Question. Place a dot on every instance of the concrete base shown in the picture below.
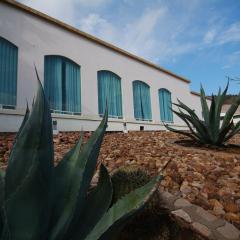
(10, 121)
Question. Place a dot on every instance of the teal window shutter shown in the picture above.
(109, 89)
(161, 104)
(142, 101)
(72, 87)
(137, 100)
(165, 103)
(62, 84)
(8, 73)
(53, 81)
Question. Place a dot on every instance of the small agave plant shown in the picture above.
(40, 201)
(212, 129)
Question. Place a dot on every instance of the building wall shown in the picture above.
(195, 101)
(36, 38)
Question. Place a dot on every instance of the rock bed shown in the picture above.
(209, 178)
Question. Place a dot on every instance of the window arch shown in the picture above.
(165, 103)
(62, 84)
(8, 73)
(109, 89)
(142, 101)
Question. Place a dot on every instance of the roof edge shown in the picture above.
(90, 37)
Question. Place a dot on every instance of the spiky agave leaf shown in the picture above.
(210, 126)
(192, 132)
(230, 112)
(184, 133)
(187, 109)
(89, 156)
(209, 130)
(3, 219)
(2, 174)
(181, 115)
(194, 120)
(97, 203)
(26, 116)
(205, 109)
(219, 100)
(197, 124)
(29, 175)
(66, 189)
(73, 176)
(235, 130)
(123, 208)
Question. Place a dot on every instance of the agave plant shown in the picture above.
(212, 129)
(42, 201)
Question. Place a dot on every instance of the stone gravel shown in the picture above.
(208, 177)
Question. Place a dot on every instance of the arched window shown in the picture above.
(62, 84)
(8, 73)
(165, 104)
(142, 101)
(109, 89)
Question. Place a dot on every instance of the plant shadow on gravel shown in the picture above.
(227, 148)
(156, 228)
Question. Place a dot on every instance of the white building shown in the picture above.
(79, 72)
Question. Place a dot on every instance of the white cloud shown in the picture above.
(63, 11)
(98, 26)
(161, 33)
(152, 33)
(209, 36)
(139, 35)
(226, 66)
(231, 34)
(222, 35)
(93, 3)
(232, 60)
(136, 37)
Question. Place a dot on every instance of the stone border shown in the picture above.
(199, 220)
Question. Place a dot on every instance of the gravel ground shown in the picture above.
(209, 177)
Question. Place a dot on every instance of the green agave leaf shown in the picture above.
(205, 109)
(229, 114)
(28, 180)
(20, 227)
(199, 126)
(194, 120)
(219, 103)
(2, 190)
(180, 132)
(4, 231)
(186, 108)
(26, 116)
(96, 205)
(211, 128)
(235, 130)
(67, 182)
(126, 206)
(191, 113)
(208, 130)
(74, 178)
(180, 115)
(2, 174)
(223, 133)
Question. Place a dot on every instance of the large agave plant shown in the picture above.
(43, 202)
(212, 129)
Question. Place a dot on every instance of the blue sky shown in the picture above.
(198, 39)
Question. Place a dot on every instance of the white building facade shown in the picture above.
(79, 73)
